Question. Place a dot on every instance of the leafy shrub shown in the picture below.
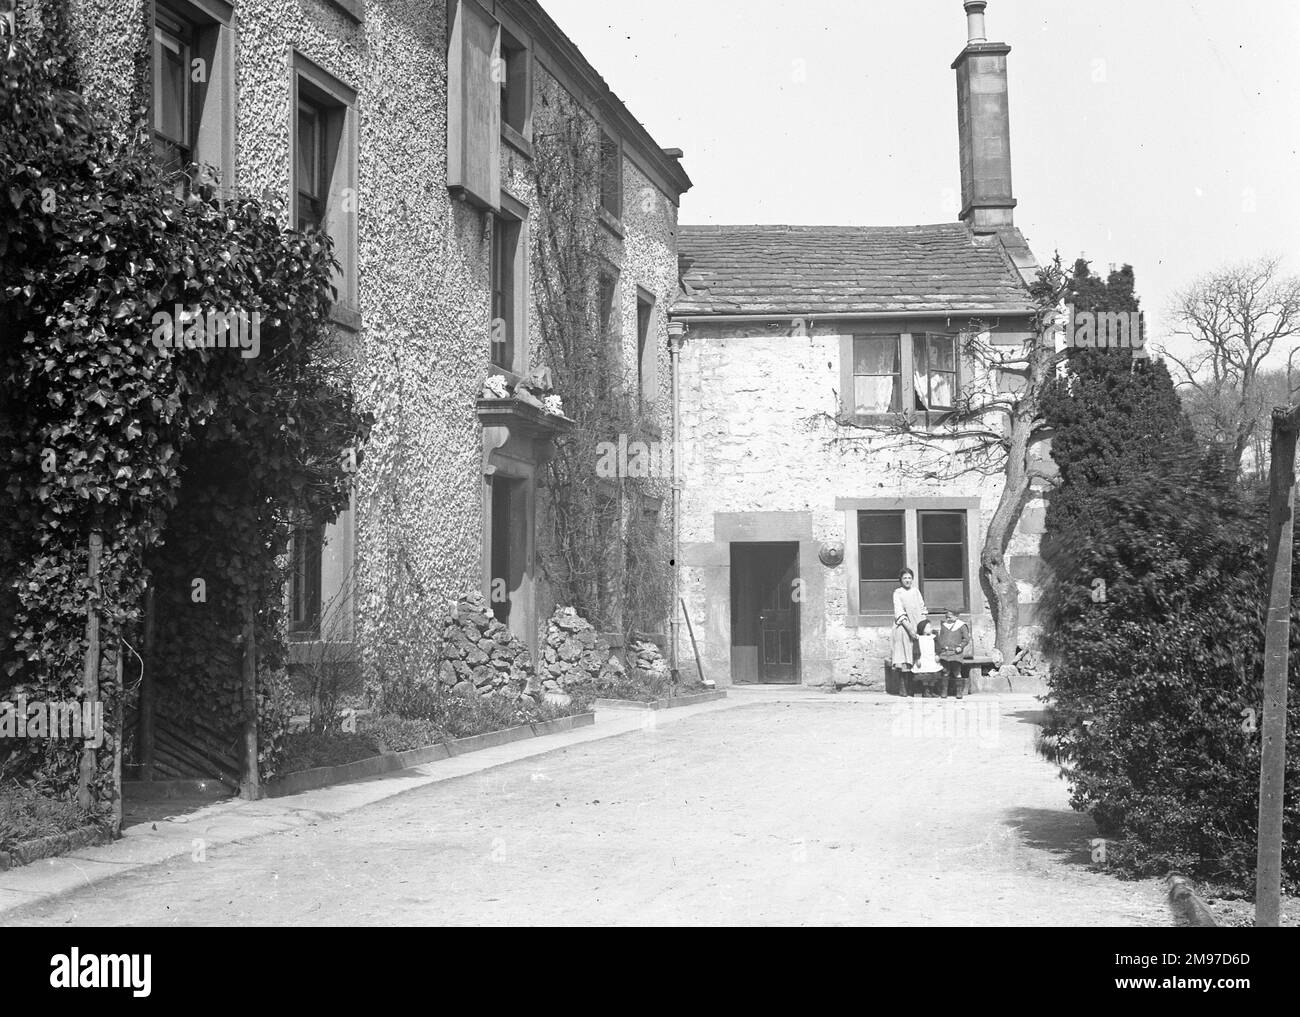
(639, 686)
(26, 814)
(399, 734)
(415, 717)
(306, 750)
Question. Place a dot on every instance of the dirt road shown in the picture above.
(812, 812)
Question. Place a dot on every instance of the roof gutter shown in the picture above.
(854, 315)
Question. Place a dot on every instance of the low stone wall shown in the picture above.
(480, 654)
(53, 845)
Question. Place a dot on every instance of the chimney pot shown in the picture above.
(975, 31)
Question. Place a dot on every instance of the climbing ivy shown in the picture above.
(191, 461)
(603, 553)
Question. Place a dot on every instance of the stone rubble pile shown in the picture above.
(574, 653)
(1030, 664)
(646, 657)
(480, 654)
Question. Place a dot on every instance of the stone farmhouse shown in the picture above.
(795, 523)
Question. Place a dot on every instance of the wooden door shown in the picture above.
(778, 643)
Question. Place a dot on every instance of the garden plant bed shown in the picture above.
(53, 844)
(670, 703)
(389, 762)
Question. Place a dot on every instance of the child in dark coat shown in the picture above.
(952, 643)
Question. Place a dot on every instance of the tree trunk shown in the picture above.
(995, 578)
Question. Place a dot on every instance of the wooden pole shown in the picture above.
(145, 729)
(90, 668)
(1277, 635)
(250, 785)
(117, 726)
(691, 629)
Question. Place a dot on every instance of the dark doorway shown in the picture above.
(765, 613)
(508, 545)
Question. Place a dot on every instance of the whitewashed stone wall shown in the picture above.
(757, 421)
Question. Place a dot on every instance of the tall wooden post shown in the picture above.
(250, 784)
(144, 729)
(90, 668)
(1277, 634)
(117, 727)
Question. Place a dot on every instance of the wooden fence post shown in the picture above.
(119, 728)
(250, 784)
(1277, 635)
(144, 728)
(90, 668)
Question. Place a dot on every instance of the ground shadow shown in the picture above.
(1066, 834)
(154, 810)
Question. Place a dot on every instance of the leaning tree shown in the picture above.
(995, 429)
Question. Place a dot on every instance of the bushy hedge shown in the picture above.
(1156, 691)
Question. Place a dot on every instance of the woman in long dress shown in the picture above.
(909, 610)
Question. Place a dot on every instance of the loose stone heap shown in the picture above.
(645, 657)
(480, 654)
(1030, 665)
(574, 653)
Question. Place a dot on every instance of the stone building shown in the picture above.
(406, 131)
(795, 523)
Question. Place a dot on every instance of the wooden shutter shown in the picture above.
(474, 106)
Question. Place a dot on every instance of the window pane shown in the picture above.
(875, 355)
(948, 593)
(877, 597)
(942, 561)
(876, 395)
(881, 561)
(943, 353)
(920, 390)
(170, 86)
(505, 240)
(942, 527)
(880, 527)
(308, 151)
(606, 303)
(943, 388)
(610, 174)
(305, 581)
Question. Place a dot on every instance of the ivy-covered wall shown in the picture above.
(414, 535)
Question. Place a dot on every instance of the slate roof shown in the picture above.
(849, 269)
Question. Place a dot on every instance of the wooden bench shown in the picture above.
(972, 672)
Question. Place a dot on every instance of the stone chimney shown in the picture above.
(983, 127)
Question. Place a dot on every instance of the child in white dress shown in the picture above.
(927, 671)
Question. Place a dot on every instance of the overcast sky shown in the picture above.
(1160, 132)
